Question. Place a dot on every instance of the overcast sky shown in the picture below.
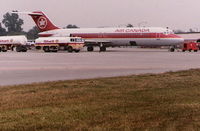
(176, 14)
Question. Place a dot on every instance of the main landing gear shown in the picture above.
(102, 48)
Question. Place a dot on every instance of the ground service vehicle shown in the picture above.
(17, 43)
(53, 44)
(191, 46)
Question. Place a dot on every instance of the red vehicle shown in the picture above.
(192, 46)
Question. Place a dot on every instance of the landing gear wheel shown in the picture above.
(90, 48)
(103, 48)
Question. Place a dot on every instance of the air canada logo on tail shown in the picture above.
(42, 22)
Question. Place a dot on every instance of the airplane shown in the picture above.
(109, 37)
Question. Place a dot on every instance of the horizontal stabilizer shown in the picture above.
(29, 13)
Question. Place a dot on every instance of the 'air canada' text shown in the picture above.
(132, 30)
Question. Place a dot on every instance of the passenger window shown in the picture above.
(166, 33)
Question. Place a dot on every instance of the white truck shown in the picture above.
(53, 44)
(17, 43)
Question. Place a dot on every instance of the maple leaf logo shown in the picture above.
(42, 22)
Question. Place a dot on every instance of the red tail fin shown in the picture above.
(42, 22)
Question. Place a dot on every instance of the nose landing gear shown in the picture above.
(172, 48)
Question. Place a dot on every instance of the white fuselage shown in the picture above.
(120, 36)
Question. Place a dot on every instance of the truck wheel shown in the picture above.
(90, 48)
(54, 51)
(70, 49)
(53, 48)
(46, 49)
(24, 50)
(77, 51)
(21, 48)
(38, 47)
(18, 49)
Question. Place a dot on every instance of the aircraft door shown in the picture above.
(102, 35)
(157, 36)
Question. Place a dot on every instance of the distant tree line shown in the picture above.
(13, 26)
(71, 26)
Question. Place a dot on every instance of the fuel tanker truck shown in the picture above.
(54, 44)
(17, 43)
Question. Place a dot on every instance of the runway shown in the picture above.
(33, 66)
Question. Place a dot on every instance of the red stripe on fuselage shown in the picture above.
(118, 35)
(124, 35)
